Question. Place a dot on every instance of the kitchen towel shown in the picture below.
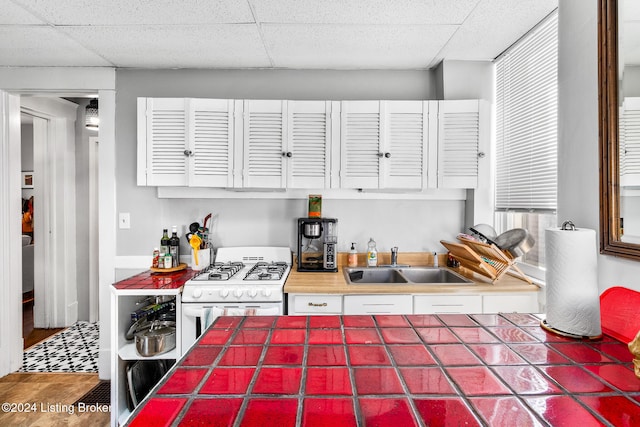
(573, 303)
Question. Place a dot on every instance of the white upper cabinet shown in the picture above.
(185, 142)
(463, 139)
(308, 145)
(383, 144)
(264, 135)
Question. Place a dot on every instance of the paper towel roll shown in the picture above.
(573, 303)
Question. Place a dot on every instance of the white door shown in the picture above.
(264, 133)
(308, 147)
(360, 144)
(210, 142)
(459, 142)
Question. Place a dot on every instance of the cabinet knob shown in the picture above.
(188, 153)
(387, 155)
(287, 154)
(481, 155)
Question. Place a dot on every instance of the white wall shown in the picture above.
(578, 188)
(410, 225)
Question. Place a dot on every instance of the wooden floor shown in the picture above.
(31, 335)
(49, 400)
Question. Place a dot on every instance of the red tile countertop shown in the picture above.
(414, 370)
(154, 281)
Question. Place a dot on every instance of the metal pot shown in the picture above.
(158, 339)
(312, 230)
(516, 242)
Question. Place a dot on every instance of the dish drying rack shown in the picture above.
(483, 258)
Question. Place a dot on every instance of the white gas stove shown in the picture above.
(243, 281)
(241, 274)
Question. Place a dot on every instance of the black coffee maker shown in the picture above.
(317, 244)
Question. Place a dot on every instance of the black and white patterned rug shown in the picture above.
(73, 350)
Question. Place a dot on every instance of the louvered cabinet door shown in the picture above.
(360, 144)
(308, 148)
(459, 142)
(211, 138)
(162, 142)
(630, 143)
(264, 136)
(404, 162)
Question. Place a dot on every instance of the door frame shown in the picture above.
(94, 228)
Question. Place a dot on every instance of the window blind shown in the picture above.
(527, 121)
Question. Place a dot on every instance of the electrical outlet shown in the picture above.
(124, 220)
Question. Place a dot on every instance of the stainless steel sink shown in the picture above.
(373, 275)
(408, 275)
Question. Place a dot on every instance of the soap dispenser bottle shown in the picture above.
(353, 256)
(372, 253)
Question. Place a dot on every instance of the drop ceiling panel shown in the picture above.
(363, 12)
(43, 46)
(354, 46)
(493, 26)
(135, 12)
(187, 46)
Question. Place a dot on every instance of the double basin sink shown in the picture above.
(403, 275)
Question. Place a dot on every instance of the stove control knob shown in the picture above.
(224, 293)
(237, 293)
(253, 293)
(197, 293)
(266, 292)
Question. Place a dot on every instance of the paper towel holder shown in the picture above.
(568, 226)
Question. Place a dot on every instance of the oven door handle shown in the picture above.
(192, 311)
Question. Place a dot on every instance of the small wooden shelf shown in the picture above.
(180, 266)
(483, 258)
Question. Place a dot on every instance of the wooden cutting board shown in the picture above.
(620, 313)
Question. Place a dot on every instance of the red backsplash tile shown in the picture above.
(477, 381)
(386, 412)
(526, 380)
(440, 412)
(580, 353)
(227, 322)
(241, 356)
(202, 356)
(324, 381)
(212, 412)
(362, 336)
(368, 355)
(427, 381)
(158, 412)
(278, 412)
(284, 355)
(615, 350)
(575, 379)
(505, 412)
(562, 411)
(358, 322)
(423, 320)
(326, 355)
(324, 322)
(474, 335)
(183, 381)
(543, 335)
(250, 336)
(259, 322)
(391, 321)
(325, 336)
(618, 410)
(617, 375)
(511, 334)
(228, 381)
(437, 335)
(318, 412)
(539, 354)
(497, 354)
(491, 320)
(399, 336)
(377, 381)
(216, 336)
(278, 381)
(522, 319)
(411, 355)
(454, 355)
(295, 322)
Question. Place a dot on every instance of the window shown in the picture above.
(526, 135)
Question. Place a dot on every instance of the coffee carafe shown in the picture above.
(317, 244)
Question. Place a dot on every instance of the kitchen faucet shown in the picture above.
(394, 256)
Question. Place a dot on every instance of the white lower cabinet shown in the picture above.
(378, 304)
(434, 304)
(302, 304)
(511, 303)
